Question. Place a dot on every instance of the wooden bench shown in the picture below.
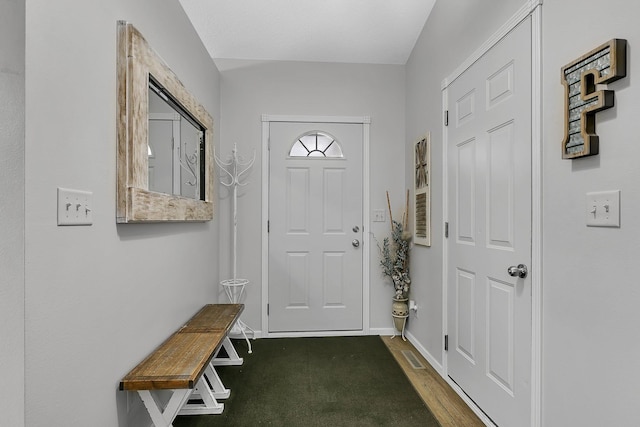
(184, 364)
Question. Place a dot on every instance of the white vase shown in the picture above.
(400, 312)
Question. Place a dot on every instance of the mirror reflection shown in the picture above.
(175, 147)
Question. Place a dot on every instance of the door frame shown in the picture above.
(533, 9)
(365, 121)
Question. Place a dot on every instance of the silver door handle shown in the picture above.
(355, 243)
(519, 271)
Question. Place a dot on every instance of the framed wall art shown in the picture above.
(422, 191)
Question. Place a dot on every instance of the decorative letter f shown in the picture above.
(605, 64)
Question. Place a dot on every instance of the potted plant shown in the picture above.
(395, 264)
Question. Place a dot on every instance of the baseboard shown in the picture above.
(250, 335)
(382, 331)
(312, 334)
(372, 331)
(440, 370)
(423, 351)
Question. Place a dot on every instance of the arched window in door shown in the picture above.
(316, 144)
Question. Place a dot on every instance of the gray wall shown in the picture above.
(100, 298)
(454, 30)
(12, 211)
(252, 88)
(590, 292)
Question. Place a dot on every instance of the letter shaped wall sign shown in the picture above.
(584, 98)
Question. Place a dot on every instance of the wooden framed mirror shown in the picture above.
(179, 187)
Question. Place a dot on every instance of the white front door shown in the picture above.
(489, 209)
(315, 227)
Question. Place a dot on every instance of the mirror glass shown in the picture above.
(176, 141)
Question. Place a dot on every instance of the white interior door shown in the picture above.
(489, 208)
(164, 137)
(315, 227)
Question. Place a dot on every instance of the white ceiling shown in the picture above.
(359, 31)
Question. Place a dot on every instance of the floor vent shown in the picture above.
(412, 359)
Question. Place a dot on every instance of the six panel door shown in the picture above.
(315, 227)
(489, 208)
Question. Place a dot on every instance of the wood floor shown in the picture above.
(444, 403)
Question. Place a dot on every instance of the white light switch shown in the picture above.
(378, 215)
(74, 207)
(603, 209)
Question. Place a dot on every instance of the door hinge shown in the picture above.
(446, 117)
(268, 225)
(446, 230)
(446, 343)
(267, 309)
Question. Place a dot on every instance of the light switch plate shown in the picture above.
(603, 209)
(75, 207)
(378, 215)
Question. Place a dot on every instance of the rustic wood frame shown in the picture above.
(590, 91)
(422, 191)
(136, 61)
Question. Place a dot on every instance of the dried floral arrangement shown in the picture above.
(395, 253)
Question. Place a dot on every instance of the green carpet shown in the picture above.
(331, 381)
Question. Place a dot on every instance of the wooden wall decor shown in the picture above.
(137, 62)
(583, 98)
(422, 191)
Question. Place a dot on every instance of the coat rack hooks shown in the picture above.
(235, 176)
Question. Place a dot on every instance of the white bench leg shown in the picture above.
(164, 418)
(209, 403)
(212, 379)
(233, 357)
(217, 388)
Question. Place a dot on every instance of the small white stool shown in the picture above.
(234, 288)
